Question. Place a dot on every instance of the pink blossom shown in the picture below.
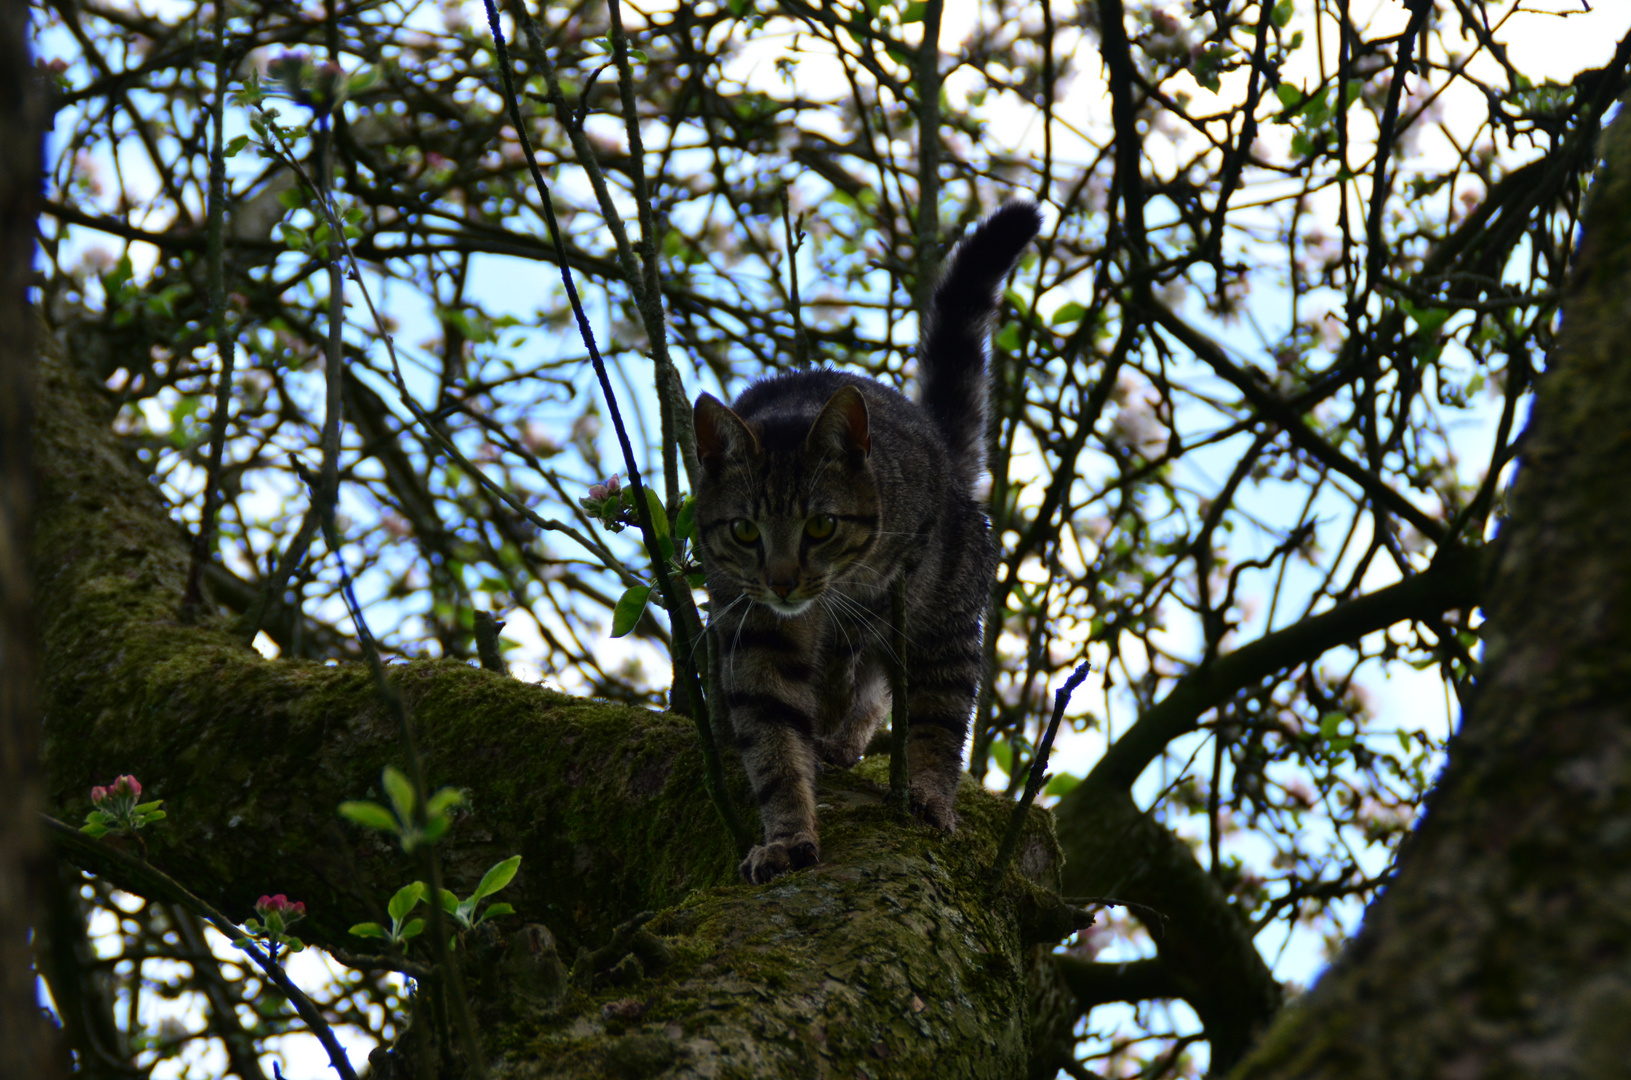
(280, 904)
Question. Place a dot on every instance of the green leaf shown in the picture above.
(630, 606)
(294, 236)
(496, 878)
(1329, 723)
(400, 789)
(155, 815)
(1063, 784)
(442, 801)
(1290, 96)
(1003, 755)
(1007, 338)
(368, 929)
(369, 815)
(685, 522)
(436, 828)
(235, 145)
(914, 12)
(149, 807)
(405, 899)
(494, 911)
(450, 903)
(659, 516)
(412, 929)
(95, 830)
(1068, 313)
(362, 80)
(1281, 15)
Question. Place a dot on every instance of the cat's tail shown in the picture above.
(951, 356)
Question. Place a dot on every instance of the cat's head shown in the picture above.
(787, 506)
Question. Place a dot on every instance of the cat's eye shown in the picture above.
(744, 530)
(820, 526)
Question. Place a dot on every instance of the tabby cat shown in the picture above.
(819, 490)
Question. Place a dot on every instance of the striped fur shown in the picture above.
(820, 489)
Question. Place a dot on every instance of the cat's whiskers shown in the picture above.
(868, 621)
(712, 616)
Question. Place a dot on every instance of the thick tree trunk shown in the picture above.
(24, 1043)
(1504, 946)
(896, 957)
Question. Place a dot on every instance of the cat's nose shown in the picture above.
(782, 579)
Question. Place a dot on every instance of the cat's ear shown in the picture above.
(842, 425)
(721, 433)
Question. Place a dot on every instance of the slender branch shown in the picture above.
(144, 877)
(677, 424)
(1039, 771)
(224, 344)
(1132, 981)
(1387, 131)
(1269, 404)
(685, 624)
(1451, 581)
(801, 340)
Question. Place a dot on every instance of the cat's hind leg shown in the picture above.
(943, 678)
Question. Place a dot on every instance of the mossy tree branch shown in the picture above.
(895, 949)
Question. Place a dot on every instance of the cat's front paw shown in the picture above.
(835, 753)
(778, 857)
(934, 808)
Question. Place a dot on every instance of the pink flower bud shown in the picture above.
(613, 485)
(597, 492)
(280, 905)
(99, 795)
(127, 787)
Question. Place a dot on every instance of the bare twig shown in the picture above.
(224, 350)
(801, 340)
(1039, 771)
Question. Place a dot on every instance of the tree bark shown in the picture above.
(1502, 947)
(895, 957)
(25, 1048)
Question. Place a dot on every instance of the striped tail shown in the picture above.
(951, 354)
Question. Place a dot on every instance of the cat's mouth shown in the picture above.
(786, 606)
